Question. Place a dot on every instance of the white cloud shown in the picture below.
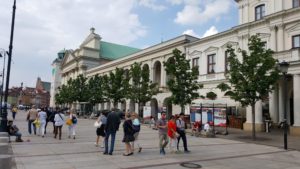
(175, 2)
(152, 4)
(211, 31)
(191, 32)
(44, 27)
(198, 12)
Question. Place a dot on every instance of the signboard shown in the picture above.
(220, 117)
(146, 111)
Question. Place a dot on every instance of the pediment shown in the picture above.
(229, 43)
(212, 48)
(295, 27)
(68, 58)
(195, 52)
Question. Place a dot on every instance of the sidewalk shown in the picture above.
(211, 153)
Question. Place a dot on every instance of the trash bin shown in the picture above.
(268, 125)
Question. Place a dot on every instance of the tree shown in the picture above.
(80, 89)
(65, 94)
(116, 86)
(183, 79)
(142, 89)
(96, 90)
(252, 78)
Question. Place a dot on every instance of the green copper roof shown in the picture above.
(113, 51)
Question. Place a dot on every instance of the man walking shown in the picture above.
(181, 131)
(31, 116)
(162, 132)
(111, 128)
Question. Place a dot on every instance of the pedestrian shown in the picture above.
(136, 127)
(172, 134)
(50, 118)
(152, 122)
(72, 127)
(14, 111)
(31, 116)
(180, 124)
(100, 131)
(111, 128)
(59, 122)
(128, 135)
(42, 115)
(162, 132)
(13, 130)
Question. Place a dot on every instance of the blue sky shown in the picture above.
(44, 27)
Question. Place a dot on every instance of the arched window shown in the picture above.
(260, 12)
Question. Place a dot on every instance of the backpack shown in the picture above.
(74, 120)
(136, 128)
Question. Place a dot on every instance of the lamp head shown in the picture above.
(283, 66)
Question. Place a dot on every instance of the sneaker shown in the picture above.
(163, 151)
(187, 151)
(140, 149)
(96, 144)
(74, 138)
(102, 146)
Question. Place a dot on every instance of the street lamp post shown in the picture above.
(4, 114)
(2, 83)
(283, 66)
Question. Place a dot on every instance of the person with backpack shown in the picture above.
(128, 135)
(72, 117)
(59, 119)
(136, 128)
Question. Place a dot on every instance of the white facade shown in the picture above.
(276, 21)
(55, 80)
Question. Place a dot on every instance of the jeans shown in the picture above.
(112, 141)
(30, 124)
(18, 135)
(183, 136)
(14, 115)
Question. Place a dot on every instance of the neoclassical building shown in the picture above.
(277, 22)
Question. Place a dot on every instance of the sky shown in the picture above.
(44, 27)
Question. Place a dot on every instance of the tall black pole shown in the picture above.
(4, 114)
(285, 113)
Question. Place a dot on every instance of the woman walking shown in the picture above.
(172, 134)
(136, 128)
(100, 130)
(59, 122)
(42, 116)
(72, 117)
(128, 135)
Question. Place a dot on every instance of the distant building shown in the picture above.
(39, 96)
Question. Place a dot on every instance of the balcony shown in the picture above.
(288, 55)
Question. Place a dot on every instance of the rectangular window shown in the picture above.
(296, 3)
(195, 62)
(296, 41)
(226, 62)
(259, 12)
(211, 63)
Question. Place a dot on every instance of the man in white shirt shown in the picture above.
(180, 124)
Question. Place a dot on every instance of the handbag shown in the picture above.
(69, 122)
(37, 123)
(97, 124)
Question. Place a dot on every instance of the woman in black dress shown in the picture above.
(128, 134)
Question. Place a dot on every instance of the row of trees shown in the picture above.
(114, 87)
(249, 80)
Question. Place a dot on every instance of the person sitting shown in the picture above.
(13, 130)
(196, 128)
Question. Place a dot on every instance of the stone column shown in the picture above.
(240, 14)
(281, 101)
(273, 38)
(151, 73)
(259, 125)
(273, 106)
(295, 129)
(163, 76)
(280, 44)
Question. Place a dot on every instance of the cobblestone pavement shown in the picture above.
(210, 153)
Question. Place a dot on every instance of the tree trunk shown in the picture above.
(253, 121)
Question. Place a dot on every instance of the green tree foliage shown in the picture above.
(211, 95)
(183, 79)
(96, 90)
(115, 86)
(142, 89)
(80, 89)
(253, 77)
(65, 94)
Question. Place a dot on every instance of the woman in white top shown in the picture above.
(73, 117)
(42, 115)
(59, 122)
